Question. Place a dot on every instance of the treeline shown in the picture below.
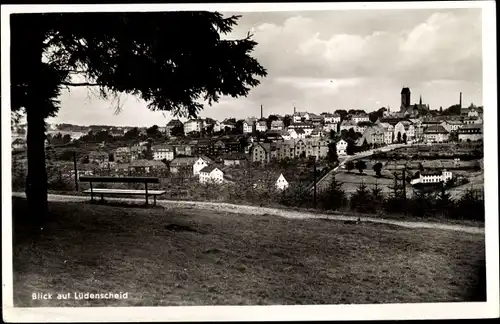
(422, 203)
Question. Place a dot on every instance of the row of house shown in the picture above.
(302, 148)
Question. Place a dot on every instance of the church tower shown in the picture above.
(405, 99)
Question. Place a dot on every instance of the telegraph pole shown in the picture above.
(76, 171)
(404, 189)
(315, 183)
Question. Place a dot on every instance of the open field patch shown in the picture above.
(184, 256)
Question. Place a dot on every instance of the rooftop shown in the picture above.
(436, 129)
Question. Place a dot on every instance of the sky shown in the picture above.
(321, 61)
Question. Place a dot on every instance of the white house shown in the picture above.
(331, 118)
(451, 125)
(297, 133)
(261, 126)
(200, 164)
(281, 183)
(404, 127)
(277, 125)
(211, 174)
(341, 147)
(161, 152)
(360, 118)
(248, 125)
(388, 132)
(427, 177)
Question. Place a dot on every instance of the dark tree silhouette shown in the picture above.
(349, 166)
(332, 153)
(377, 167)
(287, 120)
(153, 131)
(399, 137)
(360, 165)
(404, 138)
(137, 53)
(342, 113)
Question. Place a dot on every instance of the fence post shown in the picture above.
(76, 170)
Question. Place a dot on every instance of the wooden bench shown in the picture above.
(104, 191)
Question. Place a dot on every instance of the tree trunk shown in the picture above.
(36, 111)
(36, 181)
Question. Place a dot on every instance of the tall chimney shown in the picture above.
(294, 110)
(460, 100)
(261, 112)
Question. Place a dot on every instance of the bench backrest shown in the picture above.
(120, 179)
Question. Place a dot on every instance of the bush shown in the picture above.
(470, 206)
(361, 200)
(296, 196)
(333, 197)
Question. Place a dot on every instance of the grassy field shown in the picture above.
(197, 257)
(352, 180)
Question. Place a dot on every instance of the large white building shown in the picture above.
(193, 125)
(436, 134)
(402, 128)
(452, 125)
(428, 177)
(471, 132)
(161, 152)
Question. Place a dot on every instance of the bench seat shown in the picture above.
(124, 191)
(103, 191)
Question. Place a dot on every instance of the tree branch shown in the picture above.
(80, 84)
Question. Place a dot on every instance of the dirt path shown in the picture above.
(253, 210)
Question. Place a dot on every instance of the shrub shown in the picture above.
(297, 196)
(361, 199)
(360, 165)
(470, 206)
(333, 197)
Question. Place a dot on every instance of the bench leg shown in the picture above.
(102, 197)
(154, 197)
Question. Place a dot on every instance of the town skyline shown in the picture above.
(328, 60)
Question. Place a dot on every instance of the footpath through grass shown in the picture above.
(172, 256)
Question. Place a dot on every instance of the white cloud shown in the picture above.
(340, 60)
